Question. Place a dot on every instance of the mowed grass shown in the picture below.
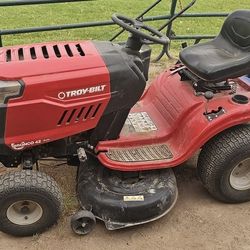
(64, 13)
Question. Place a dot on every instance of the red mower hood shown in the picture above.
(47, 58)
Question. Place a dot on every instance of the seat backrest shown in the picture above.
(236, 29)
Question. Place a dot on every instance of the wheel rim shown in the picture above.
(24, 212)
(83, 225)
(240, 175)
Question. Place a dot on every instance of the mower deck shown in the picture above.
(169, 124)
(125, 199)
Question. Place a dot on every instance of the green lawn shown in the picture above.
(50, 14)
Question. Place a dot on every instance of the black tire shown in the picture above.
(218, 159)
(83, 222)
(28, 195)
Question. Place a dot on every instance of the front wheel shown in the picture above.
(83, 222)
(224, 165)
(30, 202)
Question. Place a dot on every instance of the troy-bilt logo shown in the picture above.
(81, 92)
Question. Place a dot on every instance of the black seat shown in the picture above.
(227, 56)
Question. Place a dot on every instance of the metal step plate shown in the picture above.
(139, 154)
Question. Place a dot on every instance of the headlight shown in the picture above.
(9, 89)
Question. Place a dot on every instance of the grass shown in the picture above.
(53, 14)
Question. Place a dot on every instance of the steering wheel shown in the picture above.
(135, 27)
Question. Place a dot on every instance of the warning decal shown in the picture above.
(141, 122)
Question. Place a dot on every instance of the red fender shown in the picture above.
(178, 115)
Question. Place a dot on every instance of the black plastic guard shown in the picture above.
(128, 70)
(125, 199)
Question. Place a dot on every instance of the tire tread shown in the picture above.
(29, 181)
(216, 152)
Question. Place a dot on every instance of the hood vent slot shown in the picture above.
(79, 115)
(20, 54)
(71, 115)
(62, 117)
(68, 50)
(8, 55)
(45, 52)
(57, 51)
(87, 114)
(96, 110)
(33, 53)
(79, 48)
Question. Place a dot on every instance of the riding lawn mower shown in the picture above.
(86, 101)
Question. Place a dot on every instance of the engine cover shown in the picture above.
(67, 88)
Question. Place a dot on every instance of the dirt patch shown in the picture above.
(197, 221)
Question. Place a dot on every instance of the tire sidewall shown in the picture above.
(227, 167)
(47, 203)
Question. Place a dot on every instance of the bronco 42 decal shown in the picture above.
(23, 145)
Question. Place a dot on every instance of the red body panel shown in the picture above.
(179, 117)
(62, 95)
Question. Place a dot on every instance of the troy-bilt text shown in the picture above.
(80, 92)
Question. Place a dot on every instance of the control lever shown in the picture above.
(209, 96)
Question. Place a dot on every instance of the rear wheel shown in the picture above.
(224, 165)
(30, 202)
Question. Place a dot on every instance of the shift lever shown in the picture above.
(208, 95)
